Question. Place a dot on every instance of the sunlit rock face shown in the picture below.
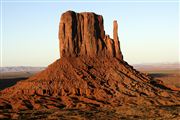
(82, 34)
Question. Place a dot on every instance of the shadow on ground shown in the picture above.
(4, 83)
(159, 75)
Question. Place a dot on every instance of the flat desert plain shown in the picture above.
(168, 73)
(8, 79)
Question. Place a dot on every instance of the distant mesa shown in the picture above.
(20, 69)
(90, 74)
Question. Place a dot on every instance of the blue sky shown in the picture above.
(148, 31)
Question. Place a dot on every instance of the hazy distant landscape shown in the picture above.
(20, 69)
(168, 73)
(9, 76)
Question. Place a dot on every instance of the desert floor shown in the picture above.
(170, 77)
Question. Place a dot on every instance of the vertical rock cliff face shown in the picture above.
(82, 34)
(116, 40)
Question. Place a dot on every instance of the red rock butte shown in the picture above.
(82, 34)
(90, 73)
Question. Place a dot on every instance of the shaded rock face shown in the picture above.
(82, 34)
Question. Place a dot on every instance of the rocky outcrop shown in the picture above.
(82, 34)
(116, 41)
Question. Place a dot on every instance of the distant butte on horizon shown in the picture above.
(90, 75)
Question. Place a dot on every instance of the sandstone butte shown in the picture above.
(90, 74)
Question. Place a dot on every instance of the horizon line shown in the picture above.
(168, 63)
